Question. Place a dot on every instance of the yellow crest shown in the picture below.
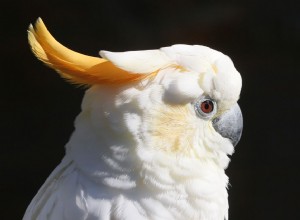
(75, 67)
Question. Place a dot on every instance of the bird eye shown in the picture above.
(205, 107)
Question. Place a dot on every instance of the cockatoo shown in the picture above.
(153, 137)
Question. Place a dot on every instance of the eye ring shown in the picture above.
(205, 107)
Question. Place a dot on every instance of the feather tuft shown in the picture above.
(75, 67)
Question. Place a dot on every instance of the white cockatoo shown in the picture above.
(153, 137)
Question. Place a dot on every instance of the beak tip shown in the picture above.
(236, 139)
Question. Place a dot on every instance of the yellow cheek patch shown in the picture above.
(172, 130)
(76, 67)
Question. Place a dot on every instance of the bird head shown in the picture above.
(177, 100)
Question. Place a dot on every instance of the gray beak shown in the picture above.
(230, 124)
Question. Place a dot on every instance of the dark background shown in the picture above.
(261, 36)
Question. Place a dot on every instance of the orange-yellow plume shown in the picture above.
(75, 67)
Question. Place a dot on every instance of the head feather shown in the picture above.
(76, 67)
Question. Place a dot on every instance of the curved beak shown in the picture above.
(230, 124)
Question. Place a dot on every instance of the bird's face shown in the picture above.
(183, 120)
(193, 113)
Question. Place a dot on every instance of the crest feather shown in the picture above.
(75, 67)
(142, 61)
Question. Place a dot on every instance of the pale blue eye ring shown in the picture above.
(205, 107)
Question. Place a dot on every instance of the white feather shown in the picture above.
(146, 61)
(135, 154)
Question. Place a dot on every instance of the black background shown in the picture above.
(261, 36)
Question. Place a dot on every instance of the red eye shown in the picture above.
(207, 106)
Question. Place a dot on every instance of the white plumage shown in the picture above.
(139, 150)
